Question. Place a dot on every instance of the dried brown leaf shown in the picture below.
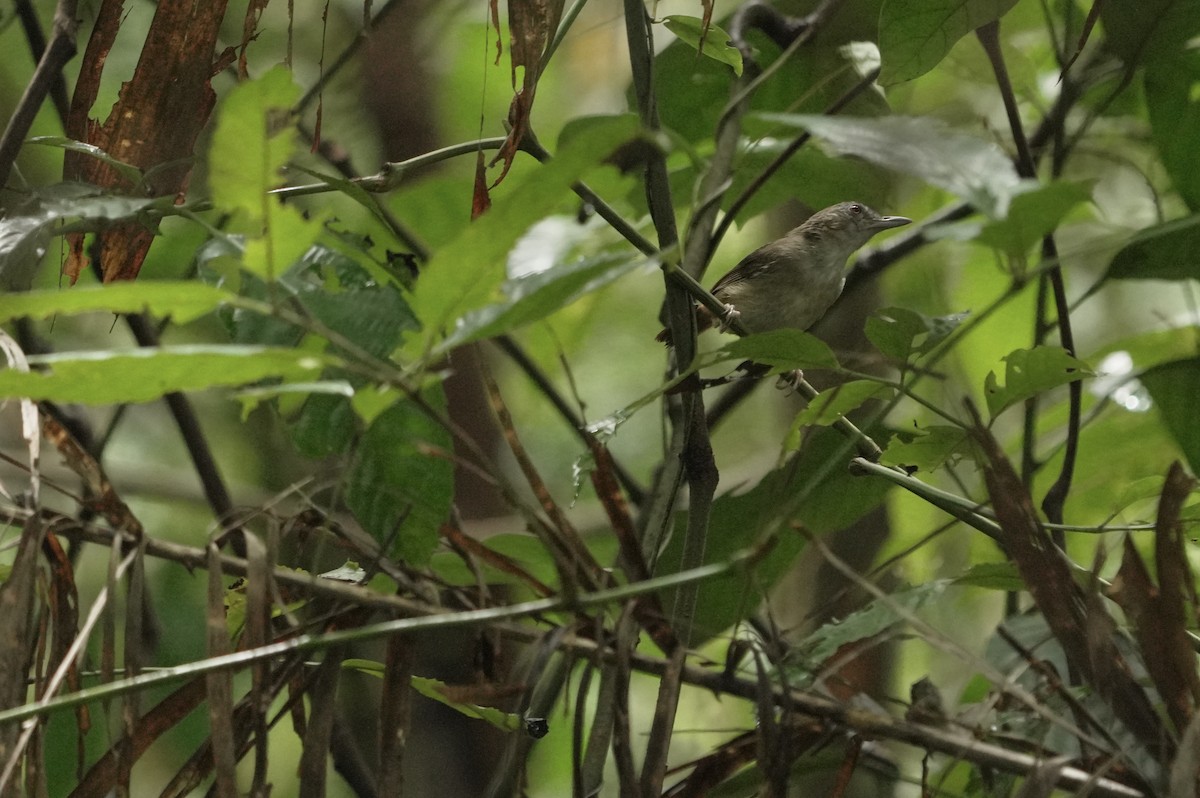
(1159, 614)
(100, 779)
(17, 596)
(531, 24)
(100, 496)
(1078, 618)
(495, 559)
(480, 199)
(254, 12)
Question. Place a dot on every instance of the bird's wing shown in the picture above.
(748, 268)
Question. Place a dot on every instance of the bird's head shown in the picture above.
(848, 224)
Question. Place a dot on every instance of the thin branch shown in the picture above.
(37, 46)
(689, 453)
(1056, 496)
(838, 714)
(49, 70)
(189, 428)
(509, 346)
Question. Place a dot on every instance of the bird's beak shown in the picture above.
(888, 222)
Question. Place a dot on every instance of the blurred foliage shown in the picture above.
(334, 319)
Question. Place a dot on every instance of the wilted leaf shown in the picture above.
(1160, 614)
(1076, 616)
(709, 40)
(531, 23)
(1029, 372)
(971, 168)
(915, 35)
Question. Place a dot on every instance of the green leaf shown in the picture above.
(25, 234)
(128, 171)
(815, 489)
(402, 482)
(874, 619)
(286, 235)
(1032, 215)
(1149, 30)
(826, 180)
(836, 402)
(973, 169)
(140, 375)
(915, 35)
(700, 89)
(465, 275)
(927, 449)
(251, 398)
(1145, 350)
(837, 498)
(354, 191)
(439, 690)
(901, 333)
(1029, 372)
(325, 426)
(183, 301)
(535, 296)
(1163, 252)
(1174, 109)
(1174, 388)
(993, 576)
(782, 350)
(371, 318)
(251, 144)
(709, 41)
(733, 525)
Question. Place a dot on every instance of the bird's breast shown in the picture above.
(778, 299)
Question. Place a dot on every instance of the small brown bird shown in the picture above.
(792, 281)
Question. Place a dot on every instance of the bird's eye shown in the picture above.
(855, 209)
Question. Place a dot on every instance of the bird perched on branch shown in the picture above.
(792, 281)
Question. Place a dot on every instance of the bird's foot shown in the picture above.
(728, 318)
(790, 381)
